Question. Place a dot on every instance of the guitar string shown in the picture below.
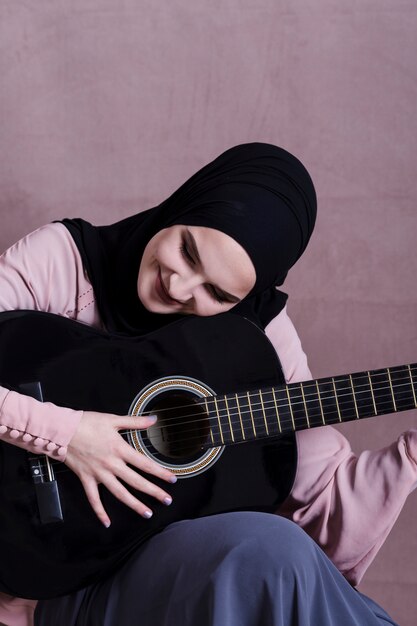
(59, 467)
(332, 417)
(268, 404)
(257, 406)
(306, 384)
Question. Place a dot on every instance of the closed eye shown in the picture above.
(186, 253)
(188, 257)
(215, 295)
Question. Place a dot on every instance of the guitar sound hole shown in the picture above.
(182, 427)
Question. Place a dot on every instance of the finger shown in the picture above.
(138, 482)
(135, 422)
(145, 464)
(93, 496)
(123, 495)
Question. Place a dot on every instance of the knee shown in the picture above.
(266, 545)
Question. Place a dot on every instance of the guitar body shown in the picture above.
(83, 368)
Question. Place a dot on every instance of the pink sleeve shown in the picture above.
(43, 272)
(347, 503)
(16, 611)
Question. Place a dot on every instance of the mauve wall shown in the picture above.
(107, 106)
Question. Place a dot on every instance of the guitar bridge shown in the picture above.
(46, 487)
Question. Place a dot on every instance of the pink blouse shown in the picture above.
(331, 497)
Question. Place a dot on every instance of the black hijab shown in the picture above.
(257, 193)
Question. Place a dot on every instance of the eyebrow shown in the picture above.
(223, 294)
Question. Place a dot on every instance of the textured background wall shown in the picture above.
(108, 105)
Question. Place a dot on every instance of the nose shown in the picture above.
(182, 288)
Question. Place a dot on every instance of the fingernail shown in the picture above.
(152, 418)
(148, 514)
(107, 524)
(173, 479)
(168, 500)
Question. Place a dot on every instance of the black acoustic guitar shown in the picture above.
(215, 384)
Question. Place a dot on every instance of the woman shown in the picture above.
(225, 239)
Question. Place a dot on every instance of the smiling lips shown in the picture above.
(161, 291)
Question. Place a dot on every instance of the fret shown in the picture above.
(214, 421)
(382, 392)
(270, 424)
(412, 387)
(372, 392)
(291, 411)
(228, 417)
(345, 398)
(364, 398)
(354, 397)
(328, 401)
(315, 416)
(218, 419)
(263, 412)
(240, 416)
(226, 424)
(251, 414)
(208, 415)
(277, 412)
(298, 406)
(259, 413)
(321, 406)
(305, 405)
(285, 419)
(337, 401)
(392, 390)
(403, 391)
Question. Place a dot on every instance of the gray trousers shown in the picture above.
(234, 569)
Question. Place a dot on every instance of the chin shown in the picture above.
(150, 306)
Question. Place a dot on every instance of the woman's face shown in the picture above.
(194, 269)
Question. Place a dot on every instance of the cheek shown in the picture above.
(146, 274)
(151, 260)
(167, 253)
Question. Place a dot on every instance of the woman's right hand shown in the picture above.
(98, 454)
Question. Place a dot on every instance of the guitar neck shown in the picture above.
(270, 412)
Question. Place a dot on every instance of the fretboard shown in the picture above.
(270, 412)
